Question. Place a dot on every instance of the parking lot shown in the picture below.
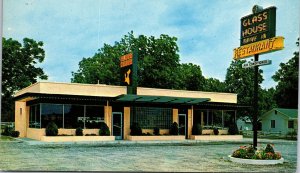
(199, 157)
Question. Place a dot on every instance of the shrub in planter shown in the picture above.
(245, 152)
(15, 134)
(135, 130)
(269, 149)
(156, 131)
(174, 129)
(197, 129)
(233, 129)
(51, 129)
(216, 131)
(7, 131)
(104, 130)
(79, 131)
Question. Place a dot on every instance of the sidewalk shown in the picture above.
(175, 142)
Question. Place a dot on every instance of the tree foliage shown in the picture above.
(190, 77)
(265, 100)
(214, 85)
(158, 60)
(240, 80)
(286, 94)
(19, 69)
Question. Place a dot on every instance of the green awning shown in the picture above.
(160, 99)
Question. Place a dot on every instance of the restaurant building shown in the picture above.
(73, 105)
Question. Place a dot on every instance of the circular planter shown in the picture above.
(255, 162)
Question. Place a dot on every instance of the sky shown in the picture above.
(207, 30)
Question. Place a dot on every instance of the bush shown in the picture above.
(174, 129)
(79, 131)
(7, 131)
(156, 131)
(135, 130)
(233, 129)
(249, 152)
(197, 129)
(216, 131)
(269, 149)
(104, 130)
(51, 129)
(15, 134)
(292, 134)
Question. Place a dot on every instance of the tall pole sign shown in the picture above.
(128, 65)
(258, 36)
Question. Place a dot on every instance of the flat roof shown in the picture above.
(111, 91)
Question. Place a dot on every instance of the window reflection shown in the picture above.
(94, 115)
(52, 112)
(74, 116)
(66, 116)
(34, 116)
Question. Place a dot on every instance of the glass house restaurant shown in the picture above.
(73, 105)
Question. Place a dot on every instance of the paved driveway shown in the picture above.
(204, 156)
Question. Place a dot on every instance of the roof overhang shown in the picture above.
(160, 99)
(33, 96)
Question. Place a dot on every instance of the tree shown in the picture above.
(265, 100)
(214, 85)
(286, 94)
(190, 77)
(19, 70)
(157, 67)
(240, 80)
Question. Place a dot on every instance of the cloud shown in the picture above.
(207, 31)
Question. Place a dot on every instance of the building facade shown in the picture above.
(72, 105)
(279, 120)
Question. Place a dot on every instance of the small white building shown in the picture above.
(280, 120)
(244, 123)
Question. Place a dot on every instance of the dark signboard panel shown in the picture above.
(126, 69)
(258, 26)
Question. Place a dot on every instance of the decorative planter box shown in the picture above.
(255, 162)
(76, 138)
(216, 137)
(156, 138)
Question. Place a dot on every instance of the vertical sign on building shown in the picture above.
(128, 65)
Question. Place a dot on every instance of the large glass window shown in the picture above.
(94, 115)
(148, 118)
(52, 112)
(66, 116)
(34, 116)
(73, 116)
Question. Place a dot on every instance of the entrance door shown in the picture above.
(117, 125)
(182, 124)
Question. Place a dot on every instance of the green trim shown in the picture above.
(291, 114)
(160, 99)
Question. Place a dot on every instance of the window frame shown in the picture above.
(293, 124)
(273, 124)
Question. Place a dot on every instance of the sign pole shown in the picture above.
(255, 102)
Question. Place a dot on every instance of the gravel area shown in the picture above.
(184, 157)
